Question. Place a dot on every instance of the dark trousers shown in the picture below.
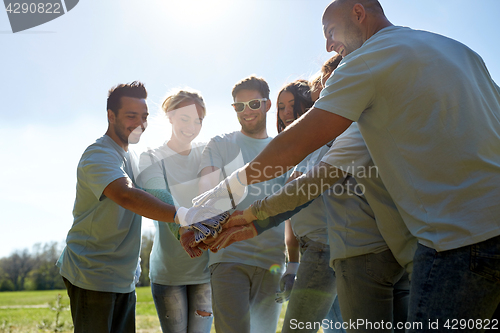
(99, 312)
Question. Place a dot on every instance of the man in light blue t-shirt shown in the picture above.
(99, 261)
(245, 276)
(429, 113)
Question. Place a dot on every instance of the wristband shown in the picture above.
(180, 216)
(292, 268)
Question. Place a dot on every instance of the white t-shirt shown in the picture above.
(429, 113)
(232, 151)
(349, 153)
(169, 262)
(103, 245)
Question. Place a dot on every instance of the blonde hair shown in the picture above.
(177, 96)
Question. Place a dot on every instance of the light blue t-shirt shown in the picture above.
(429, 113)
(352, 230)
(232, 151)
(311, 221)
(347, 219)
(103, 245)
(169, 262)
(349, 153)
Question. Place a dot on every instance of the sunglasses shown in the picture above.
(254, 104)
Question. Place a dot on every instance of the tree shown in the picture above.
(17, 267)
(46, 275)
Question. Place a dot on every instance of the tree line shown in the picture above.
(36, 269)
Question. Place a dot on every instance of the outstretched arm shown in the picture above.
(276, 208)
(298, 192)
(315, 128)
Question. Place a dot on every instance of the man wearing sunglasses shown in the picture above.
(245, 276)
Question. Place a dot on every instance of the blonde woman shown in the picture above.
(180, 285)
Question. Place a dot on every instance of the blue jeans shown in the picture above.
(372, 288)
(100, 312)
(334, 318)
(459, 284)
(314, 291)
(178, 307)
(243, 298)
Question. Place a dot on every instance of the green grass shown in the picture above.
(18, 314)
(31, 311)
(12, 298)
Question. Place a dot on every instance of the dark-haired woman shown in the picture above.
(313, 295)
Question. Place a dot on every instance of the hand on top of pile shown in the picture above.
(235, 227)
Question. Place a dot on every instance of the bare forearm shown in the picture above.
(315, 129)
(147, 205)
(292, 244)
(138, 201)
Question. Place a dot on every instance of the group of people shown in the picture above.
(398, 136)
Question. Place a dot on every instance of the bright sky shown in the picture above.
(55, 78)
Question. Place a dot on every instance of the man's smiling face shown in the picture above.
(252, 121)
(342, 35)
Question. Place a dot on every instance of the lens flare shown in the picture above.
(275, 269)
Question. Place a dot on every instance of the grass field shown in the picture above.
(36, 311)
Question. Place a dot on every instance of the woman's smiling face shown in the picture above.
(186, 121)
(286, 101)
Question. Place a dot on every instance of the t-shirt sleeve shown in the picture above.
(211, 156)
(100, 168)
(349, 91)
(222, 152)
(150, 168)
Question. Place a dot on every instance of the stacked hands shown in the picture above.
(208, 224)
(233, 228)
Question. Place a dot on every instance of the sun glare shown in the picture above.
(197, 11)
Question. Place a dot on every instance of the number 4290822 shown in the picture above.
(41, 8)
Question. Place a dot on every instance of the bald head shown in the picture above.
(347, 24)
(371, 6)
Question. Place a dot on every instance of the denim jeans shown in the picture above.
(177, 307)
(314, 291)
(334, 318)
(372, 288)
(96, 311)
(243, 298)
(459, 284)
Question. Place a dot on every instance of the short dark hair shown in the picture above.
(302, 100)
(134, 89)
(252, 83)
